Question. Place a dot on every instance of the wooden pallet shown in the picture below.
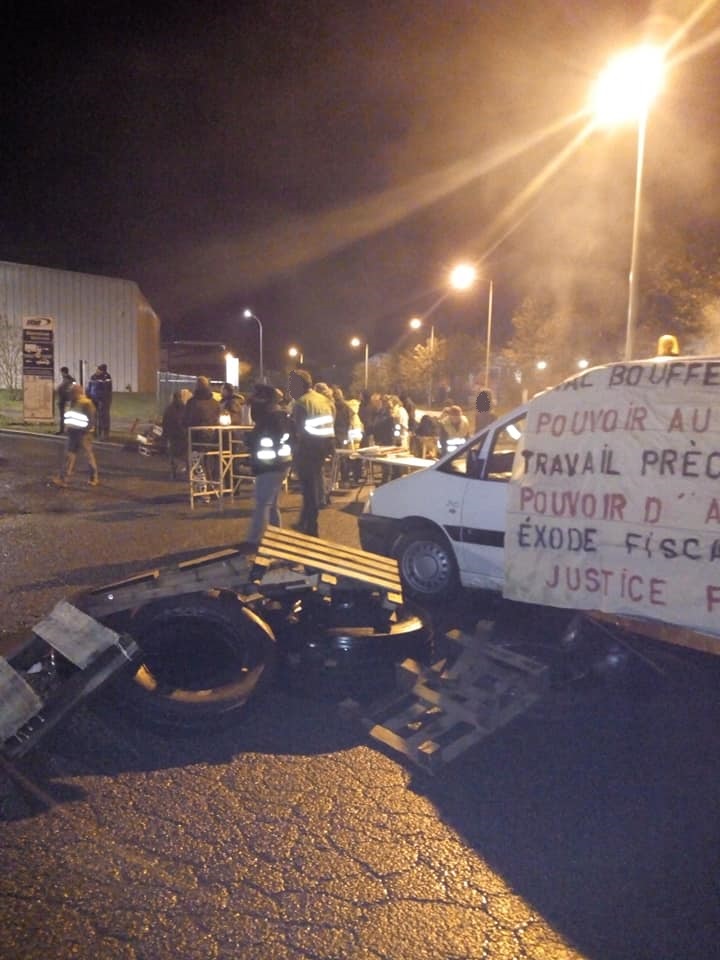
(458, 701)
(336, 565)
(96, 654)
(285, 560)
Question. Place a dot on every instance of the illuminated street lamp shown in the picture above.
(415, 324)
(297, 354)
(583, 364)
(624, 93)
(357, 342)
(249, 315)
(463, 277)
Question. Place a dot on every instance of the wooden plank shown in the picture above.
(317, 547)
(327, 557)
(18, 701)
(352, 573)
(74, 634)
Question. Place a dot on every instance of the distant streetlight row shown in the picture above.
(624, 92)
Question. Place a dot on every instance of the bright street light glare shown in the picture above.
(416, 323)
(355, 342)
(628, 85)
(463, 276)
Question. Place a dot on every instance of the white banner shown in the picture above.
(615, 497)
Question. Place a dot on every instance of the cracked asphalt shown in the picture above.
(588, 827)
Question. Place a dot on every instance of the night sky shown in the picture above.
(325, 163)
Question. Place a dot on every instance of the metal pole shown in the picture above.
(489, 336)
(366, 364)
(632, 280)
(430, 366)
(260, 331)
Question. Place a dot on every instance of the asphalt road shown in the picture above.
(588, 827)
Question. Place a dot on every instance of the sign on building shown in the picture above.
(615, 496)
(38, 364)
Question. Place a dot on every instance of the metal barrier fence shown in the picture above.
(168, 383)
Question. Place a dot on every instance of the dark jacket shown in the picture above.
(202, 410)
(174, 431)
(100, 387)
(271, 440)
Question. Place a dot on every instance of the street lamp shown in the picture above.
(463, 277)
(624, 93)
(296, 354)
(357, 342)
(415, 324)
(249, 315)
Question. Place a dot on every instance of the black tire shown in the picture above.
(205, 656)
(427, 564)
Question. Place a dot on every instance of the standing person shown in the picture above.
(79, 425)
(203, 410)
(232, 404)
(63, 395)
(271, 453)
(100, 390)
(454, 428)
(314, 417)
(484, 409)
(175, 434)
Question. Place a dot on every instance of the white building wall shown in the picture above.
(96, 318)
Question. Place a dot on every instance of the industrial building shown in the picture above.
(96, 320)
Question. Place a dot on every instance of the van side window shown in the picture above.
(502, 452)
(470, 462)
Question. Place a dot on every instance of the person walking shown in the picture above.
(100, 390)
(79, 425)
(313, 416)
(63, 396)
(270, 443)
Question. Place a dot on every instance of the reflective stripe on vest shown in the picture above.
(267, 453)
(321, 426)
(454, 443)
(76, 420)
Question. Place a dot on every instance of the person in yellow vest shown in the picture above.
(80, 419)
(314, 419)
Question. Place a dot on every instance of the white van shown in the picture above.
(445, 524)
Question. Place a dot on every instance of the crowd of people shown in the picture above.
(300, 429)
(297, 429)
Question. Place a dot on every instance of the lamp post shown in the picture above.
(463, 277)
(624, 92)
(249, 315)
(356, 342)
(297, 354)
(415, 324)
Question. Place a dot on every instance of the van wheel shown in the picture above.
(204, 657)
(427, 564)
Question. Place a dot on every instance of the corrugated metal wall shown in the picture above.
(97, 320)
